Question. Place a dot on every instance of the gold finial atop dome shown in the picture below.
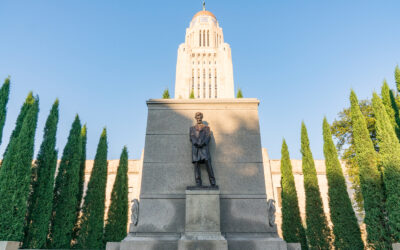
(204, 5)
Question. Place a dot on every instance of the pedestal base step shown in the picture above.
(256, 243)
(202, 241)
(149, 243)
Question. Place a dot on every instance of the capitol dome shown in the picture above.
(204, 13)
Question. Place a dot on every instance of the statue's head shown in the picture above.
(199, 117)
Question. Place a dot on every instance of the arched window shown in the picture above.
(199, 38)
(216, 86)
(208, 38)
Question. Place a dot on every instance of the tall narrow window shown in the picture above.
(192, 88)
(204, 38)
(216, 86)
(200, 38)
(198, 83)
(204, 83)
(209, 83)
(208, 38)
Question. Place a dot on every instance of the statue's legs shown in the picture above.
(197, 173)
(210, 172)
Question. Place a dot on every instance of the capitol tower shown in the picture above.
(204, 65)
(230, 210)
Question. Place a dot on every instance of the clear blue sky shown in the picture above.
(104, 59)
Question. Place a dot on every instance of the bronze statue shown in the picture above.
(200, 136)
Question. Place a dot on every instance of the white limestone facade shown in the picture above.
(204, 63)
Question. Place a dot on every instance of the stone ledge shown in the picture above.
(222, 196)
(202, 190)
(203, 101)
(9, 245)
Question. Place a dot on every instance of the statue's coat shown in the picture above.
(200, 138)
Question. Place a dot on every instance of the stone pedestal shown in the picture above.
(9, 245)
(202, 221)
(165, 216)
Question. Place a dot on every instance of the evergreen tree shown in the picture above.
(318, 232)
(345, 226)
(191, 96)
(397, 77)
(165, 94)
(41, 199)
(117, 219)
(370, 180)
(390, 107)
(92, 221)
(343, 132)
(4, 94)
(389, 157)
(239, 94)
(18, 124)
(292, 228)
(81, 180)
(15, 175)
(66, 190)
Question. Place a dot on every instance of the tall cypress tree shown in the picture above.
(292, 228)
(318, 232)
(345, 226)
(41, 199)
(15, 175)
(117, 219)
(66, 190)
(389, 157)
(20, 119)
(4, 94)
(370, 179)
(397, 77)
(390, 107)
(92, 221)
(81, 180)
(83, 165)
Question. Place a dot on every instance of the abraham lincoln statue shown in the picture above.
(200, 137)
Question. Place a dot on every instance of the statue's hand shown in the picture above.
(196, 145)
